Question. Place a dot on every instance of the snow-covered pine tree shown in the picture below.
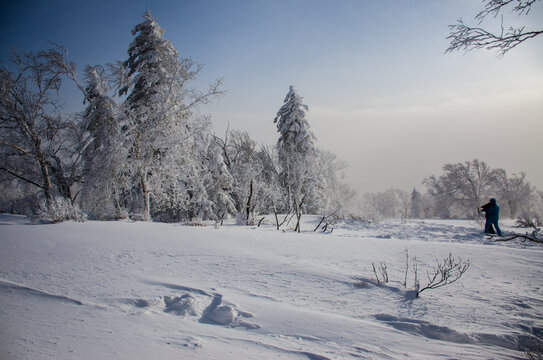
(159, 108)
(296, 151)
(102, 155)
(100, 118)
(151, 68)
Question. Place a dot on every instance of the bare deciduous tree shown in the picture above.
(34, 141)
(465, 185)
(465, 37)
(515, 191)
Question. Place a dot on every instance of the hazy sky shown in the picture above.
(382, 94)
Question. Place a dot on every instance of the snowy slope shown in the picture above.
(121, 290)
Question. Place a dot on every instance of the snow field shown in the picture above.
(151, 290)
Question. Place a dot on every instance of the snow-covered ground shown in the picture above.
(122, 290)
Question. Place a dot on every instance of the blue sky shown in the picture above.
(381, 92)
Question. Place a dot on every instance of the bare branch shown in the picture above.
(494, 7)
(465, 37)
(21, 177)
(446, 272)
(534, 237)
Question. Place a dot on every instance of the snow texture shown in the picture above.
(140, 290)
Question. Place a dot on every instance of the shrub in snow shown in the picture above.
(60, 209)
(240, 219)
(196, 222)
(444, 273)
(532, 216)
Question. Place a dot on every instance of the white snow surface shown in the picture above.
(136, 290)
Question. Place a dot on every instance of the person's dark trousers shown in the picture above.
(491, 225)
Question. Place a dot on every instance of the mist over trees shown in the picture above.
(459, 192)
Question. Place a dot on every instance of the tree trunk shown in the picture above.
(249, 200)
(44, 171)
(298, 209)
(276, 216)
(298, 218)
(46, 181)
(115, 198)
(146, 195)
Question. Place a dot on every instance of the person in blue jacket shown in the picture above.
(492, 211)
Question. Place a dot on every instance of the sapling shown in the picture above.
(383, 271)
(406, 268)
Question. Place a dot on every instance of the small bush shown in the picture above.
(196, 222)
(60, 209)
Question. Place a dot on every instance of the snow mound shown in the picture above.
(226, 315)
(223, 315)
(208, 307)
(184, 305)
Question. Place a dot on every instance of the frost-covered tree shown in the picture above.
(462, 188)
(36, 139)
(102, 154)
(404, 203)
(159, 107)
(328, 189)
(220, 182)
(240, 156)
(101, 118)
(379, 206)
(514, 191)
(296, 151)
(416, 209)
(270, 192)
(531, 213)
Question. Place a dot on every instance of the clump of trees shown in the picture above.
(139, 148)
(395, 203)
(459, 192)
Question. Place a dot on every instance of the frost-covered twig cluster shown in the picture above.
(466, 37)
(445, 272)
